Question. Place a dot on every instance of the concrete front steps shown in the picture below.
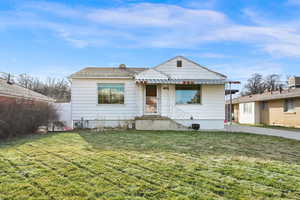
(154, 122)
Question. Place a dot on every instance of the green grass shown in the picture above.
(137, 165)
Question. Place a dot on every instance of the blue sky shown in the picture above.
(238, 37)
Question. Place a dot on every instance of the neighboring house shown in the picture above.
(280, 108)
(174, 94)
(10, 92)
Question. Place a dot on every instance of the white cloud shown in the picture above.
(283, 50)
(156, 15)
(155, 25)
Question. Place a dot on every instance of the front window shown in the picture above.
(289, 105)
(188, 94)
(110, 93)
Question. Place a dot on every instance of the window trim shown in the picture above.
(109, 104)
(200, 88)
(179, 63)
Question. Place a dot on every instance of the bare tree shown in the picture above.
(254, 85)
(273, 82)
(258, 84)
(29, 82)
(58, 89)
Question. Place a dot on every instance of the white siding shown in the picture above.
(140, 99)
(188, 70)
(211, 107)
(252, 117)
(205, 124)
(210, 113)
(85, 104)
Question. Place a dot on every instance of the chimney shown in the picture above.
(9, 81)
(294, 82)
(122, 66)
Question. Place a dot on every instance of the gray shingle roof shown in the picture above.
(106, 72)
(289, 93)
(17, 91)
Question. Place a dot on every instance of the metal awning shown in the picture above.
(182, 81)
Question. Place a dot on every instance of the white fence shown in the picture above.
(64, 113)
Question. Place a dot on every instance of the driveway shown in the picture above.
(264, 131)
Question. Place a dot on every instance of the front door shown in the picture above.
(151, 99)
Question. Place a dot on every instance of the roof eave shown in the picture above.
(263, 99)
(28, 98)
(100, 77)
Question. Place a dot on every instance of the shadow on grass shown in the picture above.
(18, 141)
(196, 144)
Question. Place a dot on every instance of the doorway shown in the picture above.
(151, 99)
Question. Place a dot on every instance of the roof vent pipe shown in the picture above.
(9, 81)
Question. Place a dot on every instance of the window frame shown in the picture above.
(98, 86)
(286, 107)
(200, 89)
(179, 63)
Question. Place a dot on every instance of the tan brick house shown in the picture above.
(279, 108)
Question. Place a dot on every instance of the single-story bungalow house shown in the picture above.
(9, 92)
(177, 93)
(278, 108)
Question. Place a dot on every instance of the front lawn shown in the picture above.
(137, 165)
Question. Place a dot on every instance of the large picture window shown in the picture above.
(110, 93)
(188, 94)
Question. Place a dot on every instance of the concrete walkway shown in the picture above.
(264, 131)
